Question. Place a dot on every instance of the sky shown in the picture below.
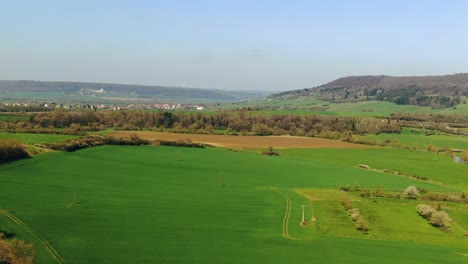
(231, 45)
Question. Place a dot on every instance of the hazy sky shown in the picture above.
(251, 44)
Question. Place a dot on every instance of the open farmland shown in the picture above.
(244, 141)
(182, 205)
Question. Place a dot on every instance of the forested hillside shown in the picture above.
(433, 91)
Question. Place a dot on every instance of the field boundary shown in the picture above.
(44, 242)
(287, 215)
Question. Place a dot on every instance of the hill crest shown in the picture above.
(434, 91)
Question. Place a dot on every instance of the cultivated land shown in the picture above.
(154, 204)
(244, 141)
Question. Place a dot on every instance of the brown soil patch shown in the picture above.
(244, 141)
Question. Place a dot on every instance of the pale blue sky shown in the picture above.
(238, 44)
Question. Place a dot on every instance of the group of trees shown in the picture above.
(11, 149)
(15, 251)
(96, 140)
(413, 95)
(240, 122)
(437, 218)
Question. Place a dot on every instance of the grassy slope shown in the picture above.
(419, 140)
(438, 167)
(176, 205)
(308, 105)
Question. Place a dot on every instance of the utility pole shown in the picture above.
(303, 216)
(74, 194)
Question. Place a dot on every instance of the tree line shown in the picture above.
(234, 123)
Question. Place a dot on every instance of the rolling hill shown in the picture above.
(21, 89)
(433, 91)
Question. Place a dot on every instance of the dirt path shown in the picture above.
(244, 141)
(287, 216)
(44, 242)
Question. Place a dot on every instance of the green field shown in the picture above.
(12, 117)
(417, 138)
(310, 105)
(180, 205)
(29, 138)
(437, 167)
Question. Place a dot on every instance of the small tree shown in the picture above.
(412, 192)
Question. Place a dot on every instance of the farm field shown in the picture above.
(244, 141)
(154, 204)
(30, 138)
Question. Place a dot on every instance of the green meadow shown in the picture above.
(31, 138)
(310, 105)
(12, 117)
(417, 138)
(154, 204)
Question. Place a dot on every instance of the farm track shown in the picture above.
(287, 215)
(44, 242)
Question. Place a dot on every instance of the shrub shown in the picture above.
(441, 219)
(411, 192)
(437, 218)
(362, 224)
(431, 148)
(346, 203)
(354, 213)
(271, 152)
(345, 188)
(425, 210)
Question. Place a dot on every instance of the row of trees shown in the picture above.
(355, 214)
(437, 217)
(76, 122)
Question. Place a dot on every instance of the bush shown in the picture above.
(354, 213)
(271, 152)
(425, 210)
(181, 143)
(437, 218)
(362, 224)
(411, 192)
(346, 203)
(441, 219)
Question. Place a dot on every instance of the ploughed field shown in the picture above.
(244, 141)
(155, 204)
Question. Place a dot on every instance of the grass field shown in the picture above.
(437, 167)
(28, 138)
(181, 205)
(310, 105)
(12, 117)
(416, 137)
